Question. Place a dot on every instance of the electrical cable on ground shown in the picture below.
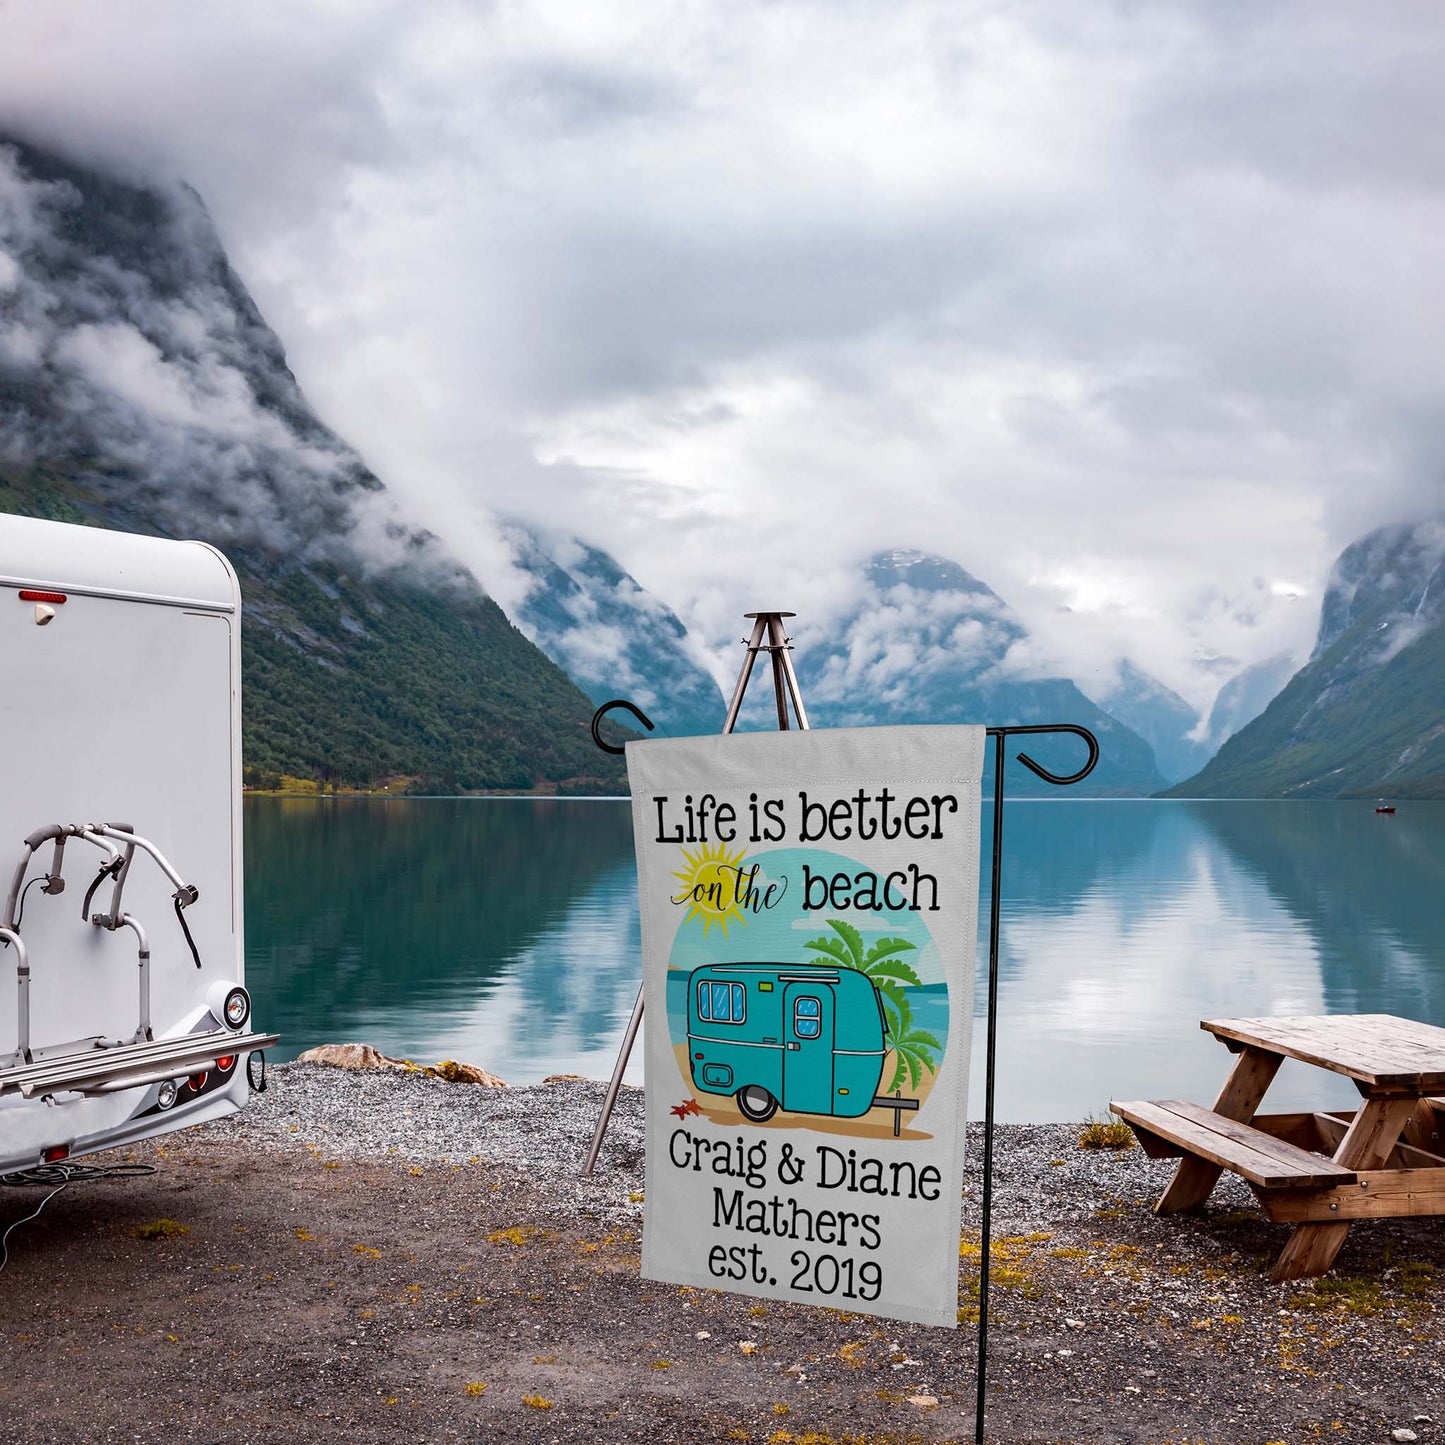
(61, 1176)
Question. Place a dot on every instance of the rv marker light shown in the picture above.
(228, 1003)
(27, 595)
(55, 1153)
(233, 1007)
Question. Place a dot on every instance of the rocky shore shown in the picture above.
(387, 1256)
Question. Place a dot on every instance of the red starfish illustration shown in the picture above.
(691, 1106)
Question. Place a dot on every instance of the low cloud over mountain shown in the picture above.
(130, 350)
(926, 642)
(1365, 716)
(140, 388)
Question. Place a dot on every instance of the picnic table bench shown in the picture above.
(1318, 1171)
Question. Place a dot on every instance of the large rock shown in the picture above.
(349, 1056)
(363, 1056)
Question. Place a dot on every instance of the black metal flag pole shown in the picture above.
(1000, 737)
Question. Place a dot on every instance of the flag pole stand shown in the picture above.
(769, 625)
(770, 636)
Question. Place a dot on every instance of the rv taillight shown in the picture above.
(55, 1153)
(198, 1081)
(26, 595)
(226, 1063)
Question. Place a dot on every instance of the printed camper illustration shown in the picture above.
(805, 1038)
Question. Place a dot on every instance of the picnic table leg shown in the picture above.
(1194, 1179)
(1368, 1143)
(1423, 1130)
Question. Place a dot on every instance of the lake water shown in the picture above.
(504, 932)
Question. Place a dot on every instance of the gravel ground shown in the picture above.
(385, 1257)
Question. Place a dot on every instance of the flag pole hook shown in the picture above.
(602, 712)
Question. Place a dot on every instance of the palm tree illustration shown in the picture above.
(913, 1050)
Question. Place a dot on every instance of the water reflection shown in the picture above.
(1125, 923)
(501, 931)
(1366, 888)
(505, 932)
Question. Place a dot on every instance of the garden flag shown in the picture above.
(809, 910)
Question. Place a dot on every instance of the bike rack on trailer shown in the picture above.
(97, 1064)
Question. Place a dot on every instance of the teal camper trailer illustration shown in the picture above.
(806, 1038)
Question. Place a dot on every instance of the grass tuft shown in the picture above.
(522, 1234)
(1106, 1131)
(1345, 1294)
(161, 1229)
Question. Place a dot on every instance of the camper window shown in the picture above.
(721, 1003)
(807, 1018)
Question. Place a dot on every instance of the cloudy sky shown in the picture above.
(1133, 310)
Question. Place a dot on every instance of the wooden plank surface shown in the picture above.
(1226, 1143)
(1375, 1194)
(1377, 1049)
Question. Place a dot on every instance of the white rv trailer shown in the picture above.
(123, 1011)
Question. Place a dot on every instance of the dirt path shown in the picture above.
(301, 1296)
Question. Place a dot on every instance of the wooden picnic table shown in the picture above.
(1317, 1171)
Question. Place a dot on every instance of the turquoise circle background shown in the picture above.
(779, 935)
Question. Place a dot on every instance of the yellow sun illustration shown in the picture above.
(712, 882)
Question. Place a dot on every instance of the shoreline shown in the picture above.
(356, 1251)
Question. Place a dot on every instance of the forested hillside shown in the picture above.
(141, 389)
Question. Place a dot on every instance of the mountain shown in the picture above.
(1365, 716)
(612, 637)
(1159, 715)
(1244, 697)
(926, 642)
(140, 388)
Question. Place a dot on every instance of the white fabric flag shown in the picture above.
(809, 911)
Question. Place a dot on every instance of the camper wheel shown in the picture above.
(756, 1103)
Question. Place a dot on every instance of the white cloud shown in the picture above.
(1133, 311)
